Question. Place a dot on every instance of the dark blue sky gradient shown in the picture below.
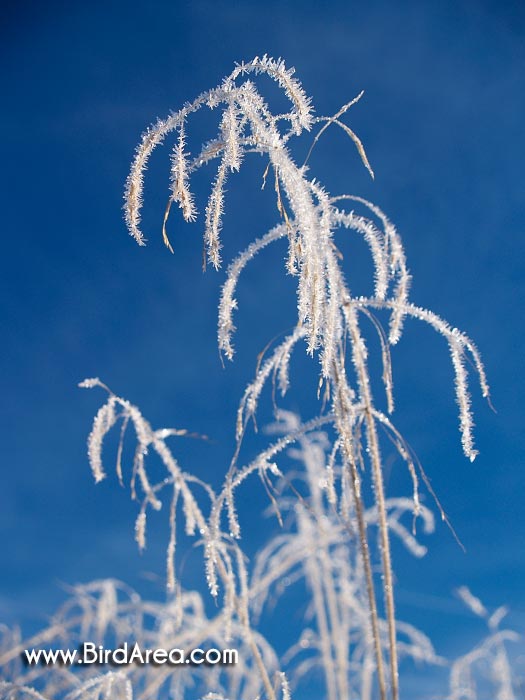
(442, 121)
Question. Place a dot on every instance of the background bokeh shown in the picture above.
(442, 121)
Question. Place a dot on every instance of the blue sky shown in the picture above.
(442, 122)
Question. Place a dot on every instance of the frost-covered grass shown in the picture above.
(350, 638)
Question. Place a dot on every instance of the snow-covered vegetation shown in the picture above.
(324, 477)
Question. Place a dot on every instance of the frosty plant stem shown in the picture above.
(328, 321)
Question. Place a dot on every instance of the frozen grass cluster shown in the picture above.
(351, 638)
